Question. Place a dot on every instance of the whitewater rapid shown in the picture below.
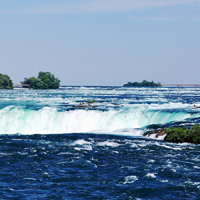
(118, 111)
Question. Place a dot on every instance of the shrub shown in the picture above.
(5, 82)
(144, 83)
(178, 134)
(45, 80)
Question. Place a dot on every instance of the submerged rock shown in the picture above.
(81, 105)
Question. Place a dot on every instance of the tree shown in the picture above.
(5, 82)
(45, 80)
(28, 82)
(144, 83)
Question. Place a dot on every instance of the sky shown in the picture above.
(101, 42)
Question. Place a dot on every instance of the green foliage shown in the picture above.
(29, 81)
(92, 101)
(5, 82)
(195, 134)
(45, 80)
(144, 83)
(177, 134)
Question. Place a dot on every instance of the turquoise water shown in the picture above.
(115, 110)
(88, 143)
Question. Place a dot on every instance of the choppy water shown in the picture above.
(55, 145)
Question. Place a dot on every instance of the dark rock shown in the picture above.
(158, 132)
(81, 105)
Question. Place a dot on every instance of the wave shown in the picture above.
(49, 120)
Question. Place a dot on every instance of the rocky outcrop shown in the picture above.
(157, 133)
(178, 134)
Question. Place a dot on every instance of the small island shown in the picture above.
(179, 134)
(144, 83)
(5, 82)
(45, 80)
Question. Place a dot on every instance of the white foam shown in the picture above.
(168, 146)
(151, 161)
(150, 175)
(134, 145)
(130, 179)
(107, 143)
(153, 136)
(82, 145)
(80, 142)
(88, 148)
(49, 120)
(164, 181)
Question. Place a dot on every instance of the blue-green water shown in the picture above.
(56, 144)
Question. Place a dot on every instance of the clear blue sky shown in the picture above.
(101, 42)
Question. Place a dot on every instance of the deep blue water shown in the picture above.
(53, 148)
(88, 166)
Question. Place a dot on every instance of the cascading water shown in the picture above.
(111, 111)
(88, 143)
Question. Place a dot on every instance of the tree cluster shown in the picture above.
(144, 83)
(45, 80)
(178, 134)
(5, 82)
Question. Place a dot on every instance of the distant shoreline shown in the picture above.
(162, 85)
